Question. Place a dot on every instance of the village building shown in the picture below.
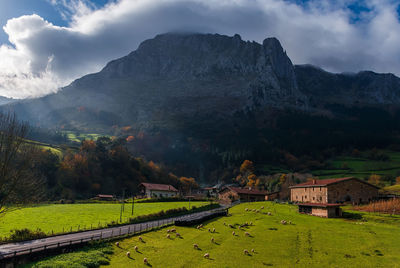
(104, 197)
(323, 197)
(155, 190)
(230, 194)
(272, 196)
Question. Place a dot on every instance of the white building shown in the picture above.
(154, 190)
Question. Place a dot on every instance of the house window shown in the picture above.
(313, 198)
(313, 189)
(305, 197)
(320, 189)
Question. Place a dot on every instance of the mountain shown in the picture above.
(171, 76)
(365, 87)
(4, 100)
(199, 102)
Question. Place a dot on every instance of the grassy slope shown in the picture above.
(57, 217)
(394, 189)
(309, 242)
(361, 167)
(79, 137)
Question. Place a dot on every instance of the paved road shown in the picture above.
(23, 248)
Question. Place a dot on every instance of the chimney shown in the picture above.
(314, 181)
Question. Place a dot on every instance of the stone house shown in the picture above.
(323, 197)
(155, 190)
(231, 194)
(329, 191)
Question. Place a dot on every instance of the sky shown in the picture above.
(46, 44)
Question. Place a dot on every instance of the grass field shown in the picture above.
(66, 216)
(360, 166)
(366, 241)
(79, 137)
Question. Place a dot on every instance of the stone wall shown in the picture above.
(352, 191)
(315, 194)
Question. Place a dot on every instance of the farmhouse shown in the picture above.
(230, 194)
(330, 191)
(272, 196)
(151, 190)
(323, 197)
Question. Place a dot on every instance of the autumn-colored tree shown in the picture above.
(247, 166)
(398, 180)
(130, 138)
(188, 184)
(375, 180)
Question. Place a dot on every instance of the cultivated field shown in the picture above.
(309, 241)
(61, 217)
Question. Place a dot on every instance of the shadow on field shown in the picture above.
(352, 215)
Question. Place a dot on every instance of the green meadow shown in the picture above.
(67, 217)
(360, 166)
(362, 240)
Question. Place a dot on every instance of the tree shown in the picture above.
(19, 182)
(375, 180)
(188, 184)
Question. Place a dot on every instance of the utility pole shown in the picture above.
(122, 205)
(133, 203)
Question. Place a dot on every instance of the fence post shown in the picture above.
(101, 235)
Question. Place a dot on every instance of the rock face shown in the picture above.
(366, 88)
(171, 76)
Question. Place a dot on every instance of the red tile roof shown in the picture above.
(319, 205)
(105, 196)
(326, 182)
(247, 191)
(159, 187)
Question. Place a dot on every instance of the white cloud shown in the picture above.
(45, 56)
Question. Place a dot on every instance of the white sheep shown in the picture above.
(257, 210)
(262, 207)
(246, 209)
(117, 244)
(128, 254)
(252, 250)
(247, 233)
(178, 235)
(140, 239)
(246, 252)
(136, 248)
(283, 222)
(145, 261)
(207, 255)
(213, 230)
(168, 231)
(212, 240)
(233, 233)
(195, 246)
(168, 236)
(209, 230)
(269, 213)
(173, 230)
(251, 223)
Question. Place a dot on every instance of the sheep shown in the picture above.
(283, 222)
(140, 239)
(225, 223)
(178, 235)
(173, 230)
(257, 210)
(198, 227)
(209, 230)
(251, 223)
(290, 222)
(195, 246)
(246, 209)
(233, 233)
(247, 233)
(207, 256)
(128, 254)
(168, 231)
(145, 261)
(136, 248)
(117, 244)
(246, 252)
(213, 230)
(269, 213)
(262, 207)
(230, 225)
(212, 240)
(252, 250)
(168, 236)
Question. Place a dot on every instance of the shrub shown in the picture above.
(25, 234)
(391, 206)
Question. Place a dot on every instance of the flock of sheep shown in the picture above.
(200, 227)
